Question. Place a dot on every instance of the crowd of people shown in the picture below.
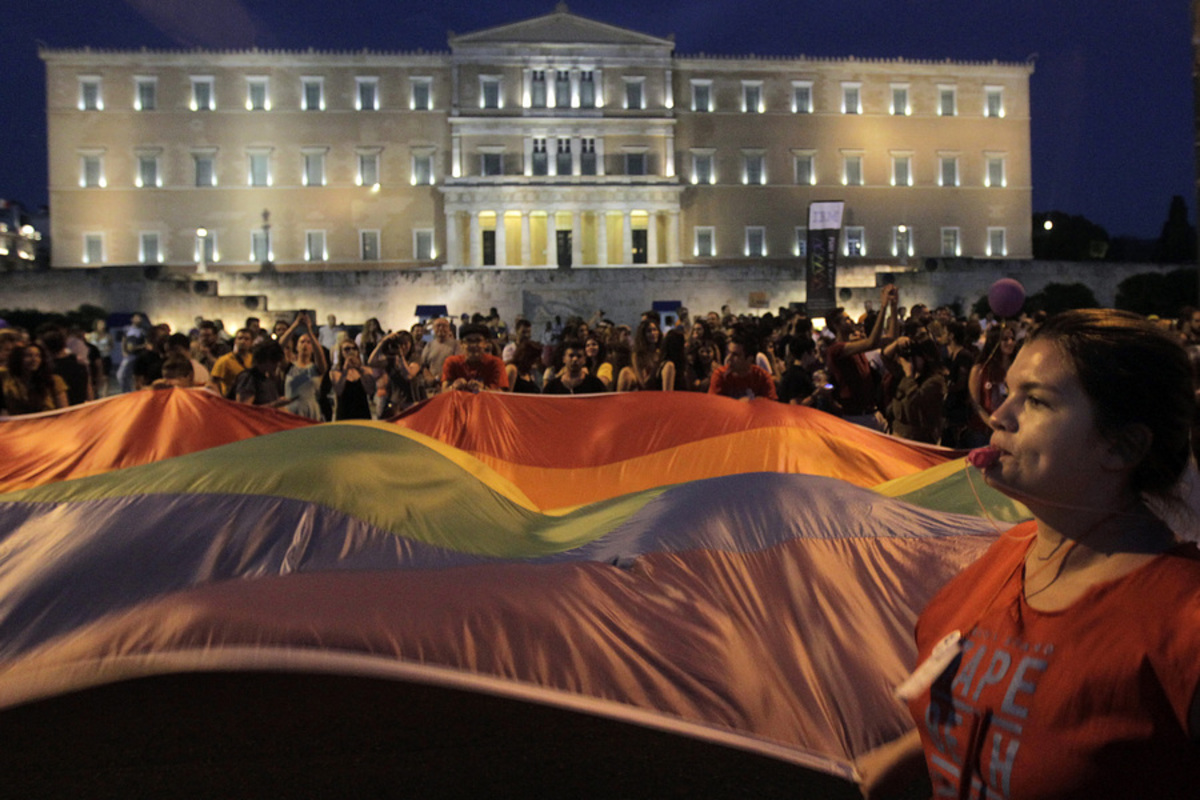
(929, 375)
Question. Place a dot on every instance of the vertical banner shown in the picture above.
(824, 225)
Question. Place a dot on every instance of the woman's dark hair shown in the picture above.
(528, 354)
(40, 382)
(601, 352)
(1133, 373)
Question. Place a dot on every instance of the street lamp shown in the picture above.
(202, 242)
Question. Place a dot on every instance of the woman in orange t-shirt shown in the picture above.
(1065, 662)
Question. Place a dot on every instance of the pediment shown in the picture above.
(559, 27)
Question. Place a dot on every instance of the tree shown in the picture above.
(1068, 238)
(1177, 242)
(1157, 293)
(1056, 297)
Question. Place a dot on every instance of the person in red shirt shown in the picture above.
(475, 369)
(741, 378)
(1065, 662)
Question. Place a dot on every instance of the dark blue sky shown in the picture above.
(1112, 99)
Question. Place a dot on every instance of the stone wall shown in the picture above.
(540, 294)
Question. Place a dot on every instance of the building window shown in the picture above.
(258, 96)
(997, 243)
(91, 171)
(260, 247)
(587, 156)
(948, 170)
(635, 163)
(947, 101)
(366, 93)
(702, 96)
(148, 174)
(995, 171)
(489, 91)
(802, 97)
(206, 171)
(752, 97)
(537, 88)
(801, 248)
(93, 248)
(902, 170)
(203, 96)
(368, 245)
(705, 245)
(312, 93)
(423, 245)
(491, 164)
(852, 170)
(260, 169)
(900, 100)
(422, 169)
(587, 89)
(368, 168)
(702, 167)
(205, 247)
(902, 241)
(539, 161)
(562, 89)
(563, 165)
(314, 168)
(851, 98)
(756, 241)
(145, 93)
(635, 94)
(753, 170)
(149, 250)
(951, 246)
(420, 94)
(806, 174)
(314, 246)
(856, 241)
(90, 97)
(993, 102)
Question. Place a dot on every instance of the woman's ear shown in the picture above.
(1130, 445)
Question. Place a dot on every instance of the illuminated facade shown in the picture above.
(552, 142)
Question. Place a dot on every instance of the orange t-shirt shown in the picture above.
(1090, 701)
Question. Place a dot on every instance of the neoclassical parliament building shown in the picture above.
(558, 141)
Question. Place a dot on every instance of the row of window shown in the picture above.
(539, 163)
(257, 93)
(804, 171)
(258, 167)
(754, 244)
(205, 247)
(543, 89)
(854, 242)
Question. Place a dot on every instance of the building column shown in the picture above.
(652, 239)
(526, 256)
(475, 246)
(627, 256)
(673, 237)
(551, 239)
(576, 239)
(599, 151)
(602, 237)
(453, 240)
(669, 160)
(501, 240)
(456, 156)
(576, 155)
